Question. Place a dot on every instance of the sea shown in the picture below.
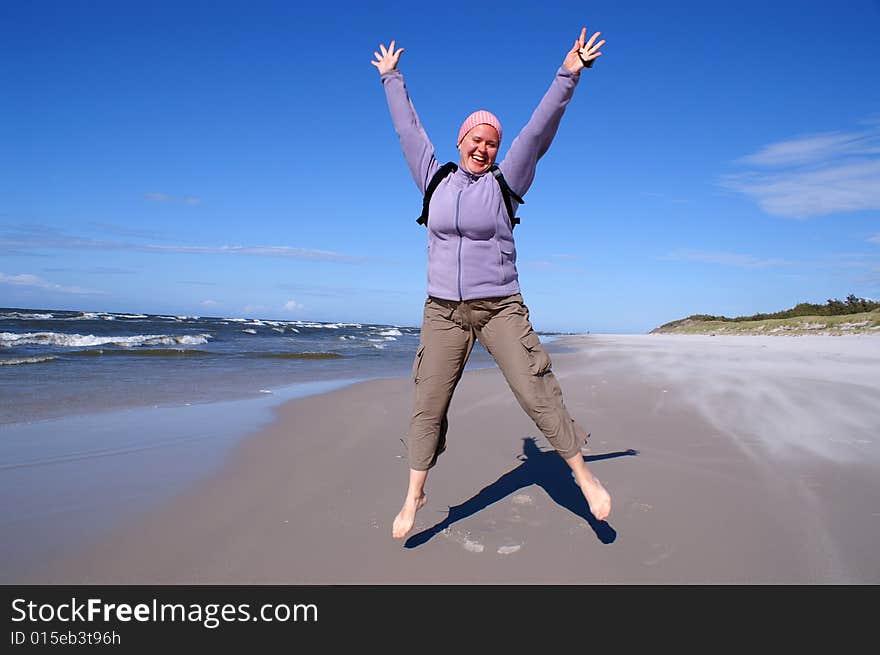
(61, 363)
(103, 414)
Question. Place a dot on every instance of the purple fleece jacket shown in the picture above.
(471, 253)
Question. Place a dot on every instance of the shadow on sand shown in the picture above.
(543, 468)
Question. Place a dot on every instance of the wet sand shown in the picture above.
(730, 460)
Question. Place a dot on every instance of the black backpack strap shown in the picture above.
(445, 169)
(507, 193)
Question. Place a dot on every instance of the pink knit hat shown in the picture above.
(477, 118)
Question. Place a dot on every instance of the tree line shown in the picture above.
(834, 307)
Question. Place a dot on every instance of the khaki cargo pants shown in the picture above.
(447, 338)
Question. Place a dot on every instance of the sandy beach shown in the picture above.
(731, 460)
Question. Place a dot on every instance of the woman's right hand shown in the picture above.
(387, 61)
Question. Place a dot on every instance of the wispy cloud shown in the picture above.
(331, 292)
(814, 148)
(540, 265)
(553, 262)
(875, 238)
(28, 280)
(209, 303)
(736, 260)
(126, 231)
(843, 261)
(844, 187)
(292, 306)
(25, 238)
(156, 196)
(35, 237)
(96, 270)
(260, 251)
(815, 175)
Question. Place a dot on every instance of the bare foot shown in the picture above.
(598, 498)
(403, 522)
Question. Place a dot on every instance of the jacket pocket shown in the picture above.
(507, 259)
(417, 363)
(539, 360)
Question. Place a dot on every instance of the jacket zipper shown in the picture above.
(457, 204)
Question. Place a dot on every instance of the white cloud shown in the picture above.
(209, 303)
(292, 306)
(845, 187)
(816, 175)
(724, 258)
(815, 148)
(28, 280)
(875, 238)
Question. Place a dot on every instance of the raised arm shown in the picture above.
(417, 147)
(535, 138)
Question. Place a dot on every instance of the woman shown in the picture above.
(473, 288)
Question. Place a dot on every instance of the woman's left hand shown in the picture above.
(582, 52)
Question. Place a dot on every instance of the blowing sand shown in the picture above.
(729, 460)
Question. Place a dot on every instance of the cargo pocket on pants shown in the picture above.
(539, 360)
(417, 362)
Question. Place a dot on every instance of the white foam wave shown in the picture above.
(27, 317)
(25, 360)
(103, 316)
(11, 340)
(250, 330)
(391, 333)
(330, 326)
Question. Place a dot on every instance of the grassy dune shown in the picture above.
(864, 323)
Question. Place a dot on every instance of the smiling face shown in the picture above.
(479, 148)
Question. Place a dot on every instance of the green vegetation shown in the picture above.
(854, 315)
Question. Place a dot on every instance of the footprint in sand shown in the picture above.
(523, 499)
(507, 550)
(466, 542)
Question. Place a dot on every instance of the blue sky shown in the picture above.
(237, 159)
